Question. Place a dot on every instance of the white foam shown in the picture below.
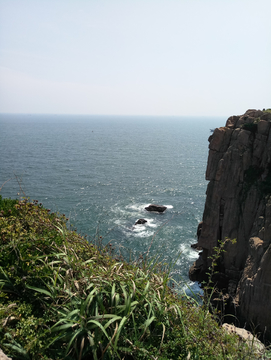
(142, 227)
(120, 222)
(138, 231)
(139, 228)
(192, 286)
(188, 252)
(119, 210)
(150, 223)
(169, 206)
(193, 255)
(134, 212)
(144, 234)
(193, 289)
(136, 207)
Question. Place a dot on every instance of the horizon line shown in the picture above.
(113, 115)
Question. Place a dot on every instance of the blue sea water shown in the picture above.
(101, 171)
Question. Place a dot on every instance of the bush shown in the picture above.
(7, 207)
(251, 127)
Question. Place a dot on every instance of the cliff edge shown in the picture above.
(238, 206)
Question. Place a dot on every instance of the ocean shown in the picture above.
(102, 171)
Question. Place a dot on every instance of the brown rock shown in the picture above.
(254, 113)
(238, 206)
(3, 356)
(246, 336)
(232, 121)
(255, 292)
(220, 139)
(266, 116)
(259, 146)
(263, 127)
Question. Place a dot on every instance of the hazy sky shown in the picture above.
(137, 57)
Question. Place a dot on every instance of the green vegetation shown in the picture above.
(253, 178)
(63, 298)
(252, 127)
(7, 207)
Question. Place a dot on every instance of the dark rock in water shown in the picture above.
(196, 271)
(196, 246)
(158, 208)
(140, 221)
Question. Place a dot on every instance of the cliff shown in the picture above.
(238, 206)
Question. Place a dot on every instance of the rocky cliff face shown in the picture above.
(238, 206)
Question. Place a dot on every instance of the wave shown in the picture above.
(138, 231)
(137, 207)
(169, 206)
(188, 252)
(192, 288)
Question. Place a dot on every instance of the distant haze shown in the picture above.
(124, 57)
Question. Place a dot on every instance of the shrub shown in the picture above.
(250, 127)
(7, 207)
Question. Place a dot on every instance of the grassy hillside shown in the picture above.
(63, 298)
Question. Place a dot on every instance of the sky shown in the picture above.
(135, 57)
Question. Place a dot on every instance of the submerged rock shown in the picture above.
(140, 221)
(157, 208)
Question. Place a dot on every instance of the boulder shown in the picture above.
(247, 337)
(3, 356)
(266, 116)
(157, 208)
(140, 221)
(231, 122)
(263, 127)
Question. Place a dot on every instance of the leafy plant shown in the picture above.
(7, 207)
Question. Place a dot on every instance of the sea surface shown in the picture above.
(101, 171)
